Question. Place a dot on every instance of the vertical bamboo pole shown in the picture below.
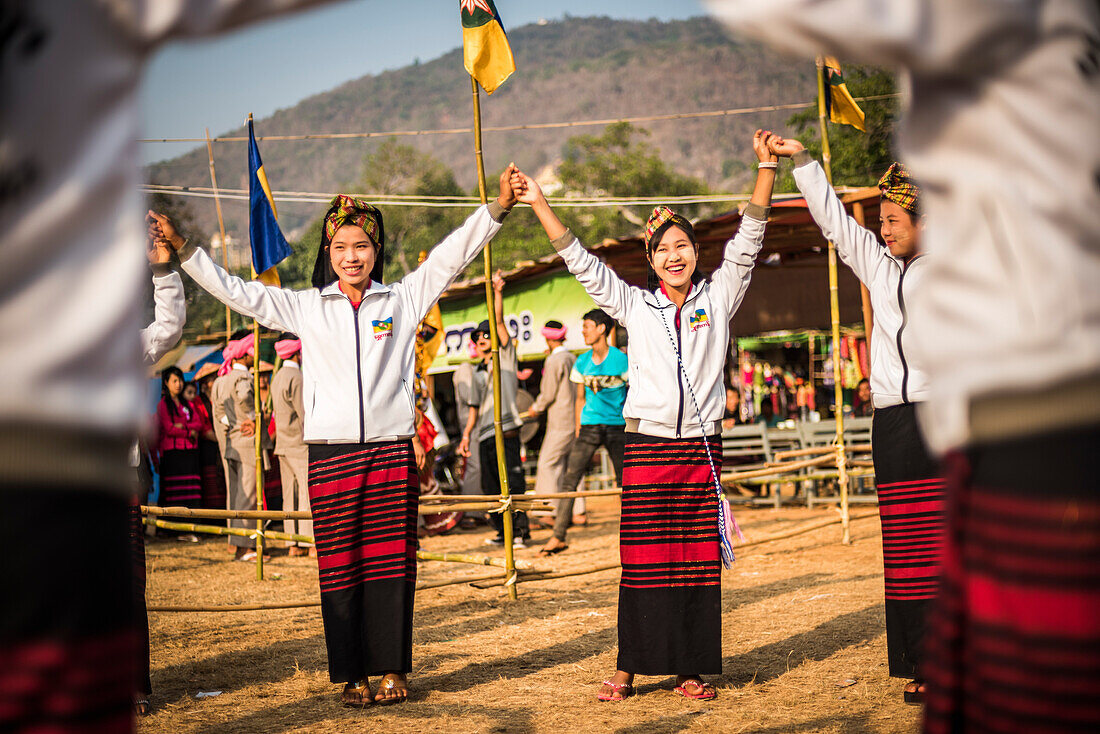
(864, 294)
(221, 227)
(834, 312)
(258, 411)
(511, 578)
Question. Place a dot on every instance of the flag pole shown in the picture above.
(258, 421)
(834, 313)
(221, 227)
(498, 436)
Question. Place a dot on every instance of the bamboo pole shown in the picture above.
(858, 448)
(864, 294)
(834, 312)
(222, 530)
(221, 228)
(502, 472)
(527, 497)
(522, 504)
(257, 433)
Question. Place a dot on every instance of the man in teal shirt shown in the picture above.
(601, 378)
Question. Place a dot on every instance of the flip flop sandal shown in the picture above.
(702, 695)
(360, 695)
(546, 552)
(913, 697)
(389, 684)
(142, 707)
(624, 691)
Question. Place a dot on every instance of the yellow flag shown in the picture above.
(485, 50)
(838, 101)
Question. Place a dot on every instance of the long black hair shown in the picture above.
(165, 395)
(323, 274)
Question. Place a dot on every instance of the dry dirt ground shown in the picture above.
(803, 643)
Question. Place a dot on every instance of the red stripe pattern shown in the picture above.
(912, 537)
(669, 530)
(364, 505)
(180, 483)
(1014, 641)
(68, 685)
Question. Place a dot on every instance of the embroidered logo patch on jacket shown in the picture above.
(698, 320)
(383, 328)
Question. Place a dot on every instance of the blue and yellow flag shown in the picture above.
(269, 247)
(838, 100)
(485, 49)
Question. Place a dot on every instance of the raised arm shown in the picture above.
(503, 337)
(606, 288)
(169, 307)
(426, 284)
(857, 246)
(731, 279)
(275, 308)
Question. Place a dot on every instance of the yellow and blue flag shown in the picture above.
(269, 247)
(485, 50)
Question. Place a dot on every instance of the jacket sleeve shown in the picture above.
(548, 387)
(928, 37)
(294, 394)
(154, 21)
(608, 290)
(275, 308)
(423, 286)
(244, 403)
(857, 246)
(169, 315)
(731, 279)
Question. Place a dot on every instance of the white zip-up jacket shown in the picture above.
(659, 401)
(1000, 128)
(896, 377)
(357, 365)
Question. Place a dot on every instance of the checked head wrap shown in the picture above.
(897, 186)
(344, 209)
(659, 221)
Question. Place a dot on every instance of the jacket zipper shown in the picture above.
(679, 377)
(901, 352)
(359, 373)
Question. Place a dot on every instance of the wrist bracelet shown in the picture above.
(768, 164)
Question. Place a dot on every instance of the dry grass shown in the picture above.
(803, 644)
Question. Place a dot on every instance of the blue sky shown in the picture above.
(216, 83)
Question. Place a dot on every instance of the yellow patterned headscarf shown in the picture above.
(897, 186)
(658, 221)
(344, 209)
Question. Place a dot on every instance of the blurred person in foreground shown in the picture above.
(1001, 132)
(70, 307)
(556, 399)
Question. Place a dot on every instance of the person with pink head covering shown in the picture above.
(234, 416)
(556, 398)
(293, 454)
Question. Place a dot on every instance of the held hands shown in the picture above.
(248, 428)
(507, 198)
(525, 188)
(760, 146)
(784, 147)
(163, 232)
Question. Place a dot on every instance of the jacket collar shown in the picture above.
(658, 299)
(333, 289)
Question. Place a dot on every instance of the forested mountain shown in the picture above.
(575, 69)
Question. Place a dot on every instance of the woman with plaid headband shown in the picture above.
(671, 546)
(358, 339)
(909, 480)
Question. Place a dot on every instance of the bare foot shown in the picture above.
(393, 689)
(580, 520)
(553, 546)
(692, 686)
(617, 687)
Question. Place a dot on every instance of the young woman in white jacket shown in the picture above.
(358, 337)
(908, 478)
(670, 542)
